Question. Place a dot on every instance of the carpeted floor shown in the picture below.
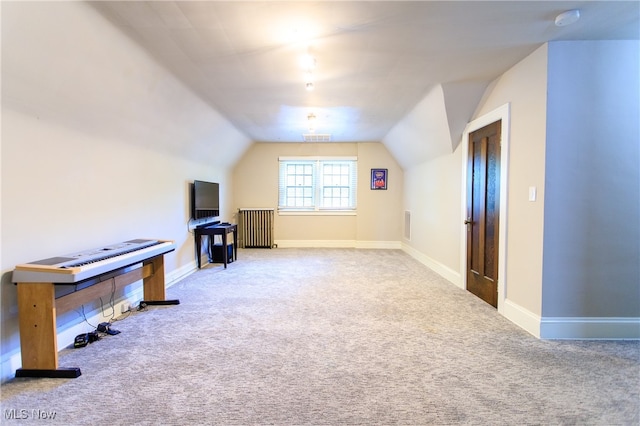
(331, 337)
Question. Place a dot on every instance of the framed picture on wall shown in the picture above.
(378, 178)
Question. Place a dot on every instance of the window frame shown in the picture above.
(316, 206)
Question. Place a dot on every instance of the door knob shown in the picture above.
(468, 221)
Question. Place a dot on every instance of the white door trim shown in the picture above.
(502, 113)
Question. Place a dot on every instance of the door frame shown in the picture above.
(503, 114)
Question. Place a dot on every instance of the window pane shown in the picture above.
(336, 185)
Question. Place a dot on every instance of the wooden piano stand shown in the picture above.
(38, 307)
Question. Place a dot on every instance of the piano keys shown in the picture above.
(76, 267)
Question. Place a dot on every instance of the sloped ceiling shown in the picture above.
(375, 60)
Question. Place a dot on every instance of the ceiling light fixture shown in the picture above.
(311, 118)
(567, 18)
(308, 64)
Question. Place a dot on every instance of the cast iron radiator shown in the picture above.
(256, 228)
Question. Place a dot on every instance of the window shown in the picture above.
(317, 184)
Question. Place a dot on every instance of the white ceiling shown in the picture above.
(375, 60)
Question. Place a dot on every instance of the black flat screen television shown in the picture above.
(205, 200)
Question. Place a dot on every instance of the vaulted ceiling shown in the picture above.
(374, 60)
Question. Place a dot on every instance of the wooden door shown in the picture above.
(483, 209)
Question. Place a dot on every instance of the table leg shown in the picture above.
(235, 243)
(224, 249)
(153, 285)
(38, 342)
(198, 240)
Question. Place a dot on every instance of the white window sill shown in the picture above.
(317, 212)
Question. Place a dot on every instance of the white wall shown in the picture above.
(421, 142)
(432, 196)
(99, 144)
(592, 202)
(423, 134)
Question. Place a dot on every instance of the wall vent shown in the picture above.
(316, 137)
(407, 225)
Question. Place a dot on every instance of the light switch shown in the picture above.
(532, 193)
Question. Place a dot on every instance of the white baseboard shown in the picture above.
(315, 243)
(577, 328)
(521, 317)
(442, 270)
(590, 328)
(338, 244)
(178, 274)
(388, 245)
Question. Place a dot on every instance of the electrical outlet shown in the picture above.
(126, 307)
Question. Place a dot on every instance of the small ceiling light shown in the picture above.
(567, 18)
(312, 119)
(307, 62)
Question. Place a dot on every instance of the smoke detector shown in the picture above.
(567, 18)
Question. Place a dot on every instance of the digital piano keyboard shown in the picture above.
(93, 273)
(75, 267)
